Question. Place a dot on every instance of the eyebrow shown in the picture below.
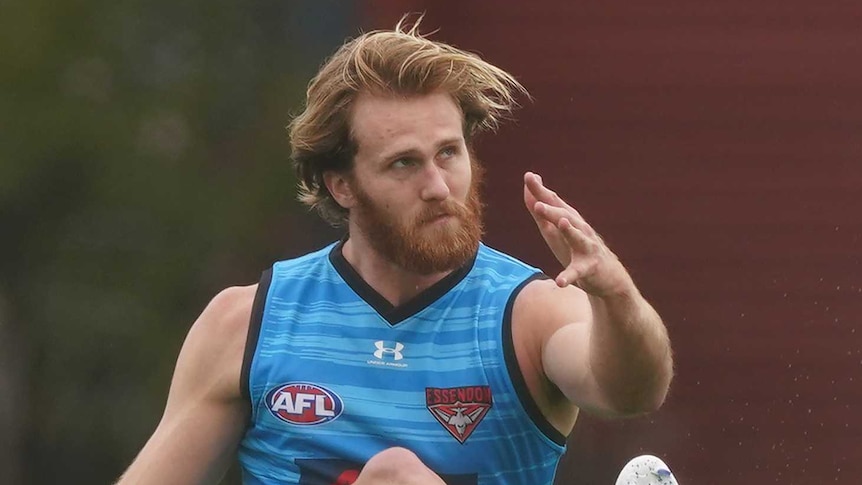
(450, 141)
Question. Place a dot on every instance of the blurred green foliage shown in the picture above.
(143, 166)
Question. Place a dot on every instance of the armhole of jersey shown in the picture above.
(254, 332)
(517, 377)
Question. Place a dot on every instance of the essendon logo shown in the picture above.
(459, 409)
(303, 403)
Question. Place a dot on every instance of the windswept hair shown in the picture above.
(401, 62)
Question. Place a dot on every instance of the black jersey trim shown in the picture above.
(392, 314)
(352, 278)
(254, 325)
(517, 377)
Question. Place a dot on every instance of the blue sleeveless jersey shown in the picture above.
(336, 374)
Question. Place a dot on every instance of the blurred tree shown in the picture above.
(143, 166)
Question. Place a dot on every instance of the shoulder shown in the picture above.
(542, 307)
(227, 314)
(546, 290)
(213, 350)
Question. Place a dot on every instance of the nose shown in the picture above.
(434, 186)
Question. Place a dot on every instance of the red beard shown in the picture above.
(423, 245)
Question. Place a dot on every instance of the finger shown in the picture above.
(557, 214)
(569, 276)
(542, 193)
(572, 274)
(576, 238)
(544, 223)
(535, 190)
(534, 184)
(529, 199)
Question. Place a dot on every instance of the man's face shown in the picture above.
(417, 199)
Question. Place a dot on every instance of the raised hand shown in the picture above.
(586, 259)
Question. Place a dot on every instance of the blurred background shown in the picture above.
(717, 146)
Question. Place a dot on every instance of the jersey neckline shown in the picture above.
(391, 313)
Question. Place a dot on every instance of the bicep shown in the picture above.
(205, 415)
(559, 321)
(567, 364)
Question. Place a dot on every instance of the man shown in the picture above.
(408, 352)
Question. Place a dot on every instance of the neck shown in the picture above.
(391, 281)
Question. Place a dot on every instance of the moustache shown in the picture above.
(445, 208)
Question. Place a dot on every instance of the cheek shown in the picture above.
(460, 185)
(465, 186)
(396, 206)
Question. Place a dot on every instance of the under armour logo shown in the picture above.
(395, 351)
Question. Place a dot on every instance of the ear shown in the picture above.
(339, 186)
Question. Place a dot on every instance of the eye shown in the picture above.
(448, 152)
(402, 163)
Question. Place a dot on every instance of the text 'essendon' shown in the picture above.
(467, 394)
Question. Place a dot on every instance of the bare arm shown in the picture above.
(205, 415)
(597, 339)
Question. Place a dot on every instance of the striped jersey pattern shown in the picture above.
(335, 374)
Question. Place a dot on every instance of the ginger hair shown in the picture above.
(400, 62)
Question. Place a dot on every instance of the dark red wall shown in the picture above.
(718, 148)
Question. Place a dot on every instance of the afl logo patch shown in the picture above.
(304, 404)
